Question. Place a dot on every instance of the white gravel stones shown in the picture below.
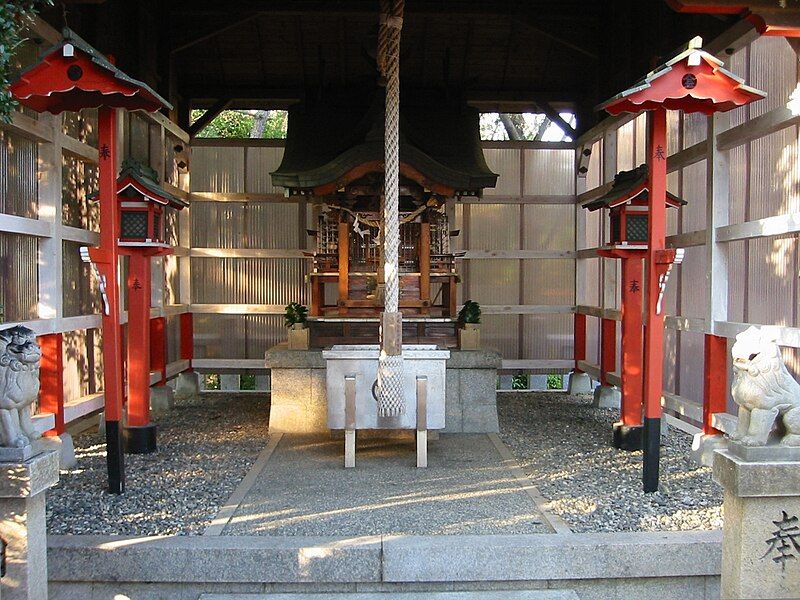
(564, 445)
(205, 447)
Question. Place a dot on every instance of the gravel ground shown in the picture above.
(205, 447)
(563, 443)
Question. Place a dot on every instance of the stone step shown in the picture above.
(478, 595)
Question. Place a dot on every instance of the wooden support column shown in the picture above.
(654, 336)
(51, 379)
(139, 341)
(608, 355)
(715, 381)
(187, 337)
(632, 365)
(158, 347)
(107, 260)
(344, 264)
(425, 268)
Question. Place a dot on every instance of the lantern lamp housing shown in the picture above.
(627, 203)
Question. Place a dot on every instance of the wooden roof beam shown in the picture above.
(208, 116)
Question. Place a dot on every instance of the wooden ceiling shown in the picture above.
(498, 55)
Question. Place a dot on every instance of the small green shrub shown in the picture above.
(555, 382)
(211, 381)
(470, 312)
(519, 382)
(295, 313)
(247, 382)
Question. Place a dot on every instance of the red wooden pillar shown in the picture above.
(51, 382)
(654, 336)
(107, 259)
(632, 366)
(139, 341)
(608, 355)
(580, 340)
(158, 347)
(187, 340)
(715, 390)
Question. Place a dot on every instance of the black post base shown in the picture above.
(652, 448)
(140, 440)
(627, 437)
(115, 458)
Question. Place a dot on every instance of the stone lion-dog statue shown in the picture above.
(767, 395)
(19, 386)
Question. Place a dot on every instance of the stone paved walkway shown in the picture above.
(304, 490)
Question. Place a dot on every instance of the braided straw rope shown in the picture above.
(390, 366)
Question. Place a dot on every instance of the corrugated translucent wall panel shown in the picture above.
(673, 215)
(18, 176)
(81, 125)
(691, 371)
(773, 68)
(501, 332)
(670, 376)
(236, 336)
(80, 293)
(172, 228)
(549, 281)
(771, 279)
(738, 184)
(737, 269)
(625, 151)
(549, 172)
(217, 224)
(592, 297)
(19, 277)
(695, 128)
(248, 281)
(592, 239)
(272, 225)
(504, 162)
(774, 175)
(640, 155)
(172, 285)
(593, 340)
(694, 192)
(217, 169)
(737, 64)
(494, 227)
(673, 131)
(172, 148)
(694, 290)
(549, 227)
(548, 337)
(260, 163)
(78, 180)
(263, 331)
(138, 139)
(78, 372)
(494, 281)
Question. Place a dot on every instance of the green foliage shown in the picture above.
(295, 313)
(239, 124)
(247, 382)
(519, 382)
(14, 16)
(555, 382)
(470, 312)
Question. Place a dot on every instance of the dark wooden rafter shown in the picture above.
(530, 23)
(208, 116)
(555, 117)
(214, 32)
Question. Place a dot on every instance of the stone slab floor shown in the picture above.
(304, 490)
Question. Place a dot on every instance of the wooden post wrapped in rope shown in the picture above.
(390, 369)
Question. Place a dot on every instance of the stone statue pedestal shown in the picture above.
(187, 385)
(607, 396)
(22, 524)
(579, 383)
(761, 530)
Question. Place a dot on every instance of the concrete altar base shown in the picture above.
(761, 530)
(607, 396)
(162, 398)
(22, 525)
(299, 397)
(187, 385)
(579, 383)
